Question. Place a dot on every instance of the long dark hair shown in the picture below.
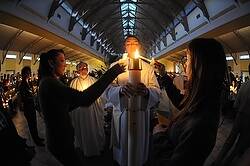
(44, 68)
(25, 71)
(209, 65)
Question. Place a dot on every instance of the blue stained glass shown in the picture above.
(131, 23)
(132, 7)
(125, 6)
(131, 14)
(128, 12)
(125, 15)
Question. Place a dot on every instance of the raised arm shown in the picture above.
(174, 94)
(76, 98)
(88, 96)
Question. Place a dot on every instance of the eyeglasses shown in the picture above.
(132, 43)
(83, 68)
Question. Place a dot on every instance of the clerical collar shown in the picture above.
(84, 77)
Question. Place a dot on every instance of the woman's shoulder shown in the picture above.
(200, 121)
(48, 81)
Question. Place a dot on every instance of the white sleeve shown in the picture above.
(154, 89)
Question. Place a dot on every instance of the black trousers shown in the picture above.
(67, 157)
(30, 115)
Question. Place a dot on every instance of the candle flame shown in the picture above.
(152, 62)
(125, 55)
(137, 55)
(144, 58)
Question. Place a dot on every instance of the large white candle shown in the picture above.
(134, 107)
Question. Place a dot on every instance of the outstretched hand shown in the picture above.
(119, 68)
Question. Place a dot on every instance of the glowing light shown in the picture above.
(11, 56)
(229, 58)
(27, 58)
(152, 62)
(145, 59)
(244, 57)
(137, 54)
(125, 55)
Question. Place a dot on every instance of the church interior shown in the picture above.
(94, 36)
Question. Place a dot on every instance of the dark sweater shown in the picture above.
(190, 140)
(26, 93)
(173, 93)
(56, 100)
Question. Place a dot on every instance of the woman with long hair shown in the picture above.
(57, 100)
(191, 136)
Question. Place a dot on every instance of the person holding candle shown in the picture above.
(191, 135)
(119, 93)
(88, 122)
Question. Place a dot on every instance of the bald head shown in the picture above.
(82, 68)
(81, 65)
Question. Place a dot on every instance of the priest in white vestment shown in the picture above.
(88, 122)
(118, 94)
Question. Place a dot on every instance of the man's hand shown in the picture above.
(128, 90)
(142, 90)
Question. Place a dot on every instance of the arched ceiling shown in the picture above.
(235, 42)
(26, 43)
(113, 20)
(105, 23)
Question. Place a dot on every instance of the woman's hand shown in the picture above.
(159, 128)
(119, 68)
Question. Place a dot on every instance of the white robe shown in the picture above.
(88, 122)
(119, 130)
